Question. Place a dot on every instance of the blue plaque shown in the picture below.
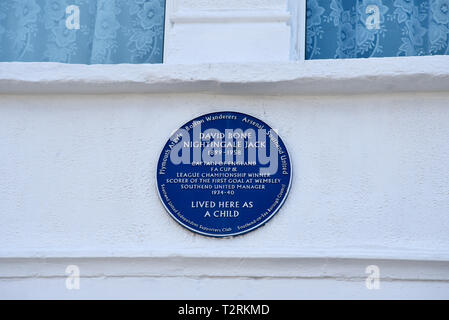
(223, 174)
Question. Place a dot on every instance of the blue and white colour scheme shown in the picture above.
(223, 174)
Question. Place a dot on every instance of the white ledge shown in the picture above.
(353, 76)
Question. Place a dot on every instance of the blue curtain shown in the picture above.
(110, 31)
(339, 29)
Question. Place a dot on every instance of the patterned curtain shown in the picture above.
(109, 31)
(376, 28)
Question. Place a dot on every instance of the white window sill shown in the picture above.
(377, 75)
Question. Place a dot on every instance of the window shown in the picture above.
(372, 28)
(82, 31)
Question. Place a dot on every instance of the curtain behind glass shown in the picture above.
(348, 29)
(110, 31)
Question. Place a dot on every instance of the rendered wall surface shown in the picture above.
(369, 171)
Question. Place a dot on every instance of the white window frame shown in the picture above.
(297, 9)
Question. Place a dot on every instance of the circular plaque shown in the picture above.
(223, 174)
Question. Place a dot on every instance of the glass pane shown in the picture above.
(338, 29)
(82, 31)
